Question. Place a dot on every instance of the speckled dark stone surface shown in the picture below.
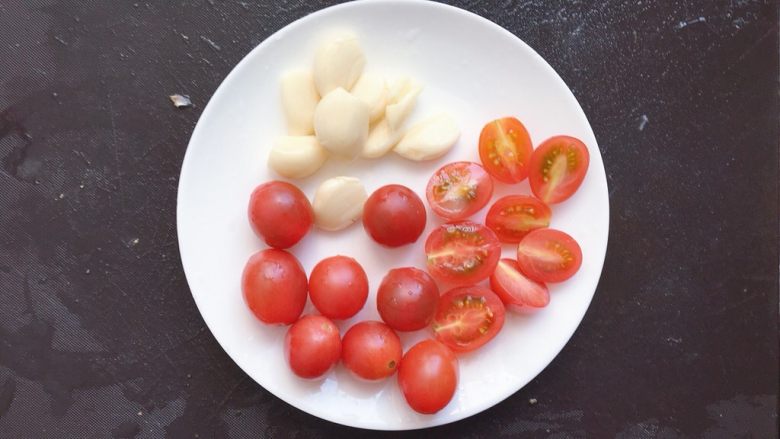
(99, 336)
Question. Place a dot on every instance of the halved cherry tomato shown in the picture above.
(274, 286)
(513, 216)
(467, 318)
(505, 149)
(338, 287)
(557, 168)
(428, 376)
(548, 255)
(516, 290)
(312, 346)
(462, 253)
(280, 213)
(371, 350)
(406, 299)
(458, 190)
(394, 215)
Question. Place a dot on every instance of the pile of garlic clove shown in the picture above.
(338, 109)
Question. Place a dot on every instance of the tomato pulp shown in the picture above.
(468, 317)
(462, 253)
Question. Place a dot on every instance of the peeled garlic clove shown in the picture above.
(338, 63)
(341, 123)
(398, 89)
(372, 90)
(429, 139)
(380, 140)
(299, 99)
(397, 113)
(296, 156)
(338, 203)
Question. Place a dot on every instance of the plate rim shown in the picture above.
(502, 396)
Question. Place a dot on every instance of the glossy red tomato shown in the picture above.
(371, 350)
(338, 287)
(516, 290)
(274, 286)
(406, 299)
(557, 168)
(505, 149)
(549, 255)
(394, 215)
(280, 213)
(462, 253)
(458, 190)
(468, 317)
(312, 346)
(513, 216)
(428, 376)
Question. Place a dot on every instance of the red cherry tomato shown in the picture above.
(458, 190)
(548, 255)
(467, 318)
(513, 216)
(557, 168)
(280, 213)
(371, 350)
(462, 253)
(505, 149)
(338, 287)
(516, 290)
(394, 216)
(428, 376)
(407, 299)
(274, 286)
(312, 346)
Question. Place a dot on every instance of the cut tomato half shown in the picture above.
(549, 255)
(467, 318)
(505, 149)
(513, 216)
(557, 168)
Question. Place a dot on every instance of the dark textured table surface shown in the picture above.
(99, 336)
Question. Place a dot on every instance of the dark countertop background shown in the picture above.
(99, 336)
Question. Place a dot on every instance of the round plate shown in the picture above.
(471, 68)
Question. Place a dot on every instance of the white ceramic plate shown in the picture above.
(470, 67)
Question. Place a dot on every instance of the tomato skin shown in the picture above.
(462, 253)
(274, 286)
(458, 190)
(394, 216)
(467, 318)
(549, 255)
(428, 376)
(371, 350)
(516, 290)
(557, 168)
(505, 149)
(407, 298)
(338, 287)
(280, 214)
(312, 346)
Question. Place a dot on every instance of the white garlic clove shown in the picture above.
(397, 89)
(299, 99)
(380, 140)
(338, 63)
(296, 156)
(429, 139)
(372, 90)
(341, 123)
(396, 113)
(338, 203)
